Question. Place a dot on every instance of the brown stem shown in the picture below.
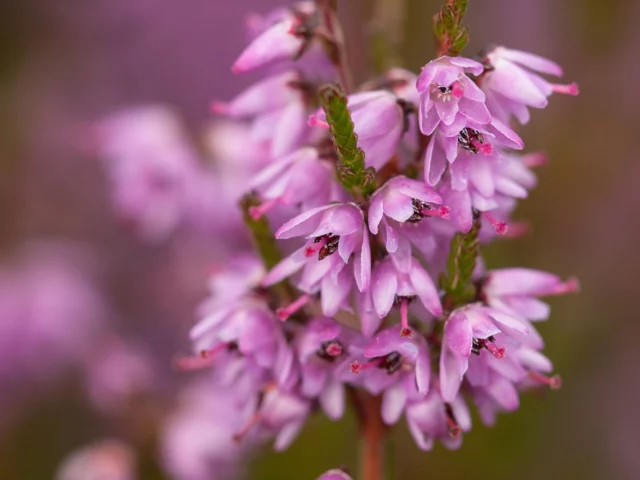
(329, 11)
(372, 431)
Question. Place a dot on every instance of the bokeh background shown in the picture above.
(71, 61)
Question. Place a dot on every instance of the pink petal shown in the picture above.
(375, 212)
(434, 162)
(529, 60)
(425, 289)
(393, 401)
(285, 268)
(383, 287)
(302, 224)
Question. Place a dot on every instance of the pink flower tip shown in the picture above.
(456, 90)
(282, 314)
(537, 159)
(221, 108)
(334, 349)
(501, 227)
(555, 382)
(355, 367)
(572, 285)
(572, 89)
(485, 148)
(239, 67)
(517, 230)
(444, 212)
(314, 121)
(405, 332)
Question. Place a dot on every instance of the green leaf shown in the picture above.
(450, 35)
(351, 170)
(261, 235)
(461, 263)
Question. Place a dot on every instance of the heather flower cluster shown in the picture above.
(371, 282)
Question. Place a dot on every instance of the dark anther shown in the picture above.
(468, 137)
(476, 346)
(330, 247)
(391, 362)
(417, 215)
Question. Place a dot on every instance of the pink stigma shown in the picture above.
(499, 226)
(314, 121)
(554, 382)
(405, 331)
(571, 89)
(315, 247)
(285, 312)
(257, 211)
(456, 90)
(536, 159)
(442, 212)
(483, 148)
(517, 230)
(498, 352)
(334, 349)
(221, 108)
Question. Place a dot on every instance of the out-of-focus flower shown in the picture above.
(378, 121)
(336, 474)
(103, 460)
(512, 83)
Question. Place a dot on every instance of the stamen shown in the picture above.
(554, 382)
(314, 121)
(405, 331)
(571, 89)
(255, 419)
(499, 226)
(572, 285)
(517, 230)
(285, 312)
(257, 211)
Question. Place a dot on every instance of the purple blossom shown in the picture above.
(460, 149)
(378, 121)
(391, 285)
(331, 229)
(103, 460)
(301, 179)
(402, 199)
(512, 84)
(471, 329)
(280, 40)
(449, 97)
(432, 418)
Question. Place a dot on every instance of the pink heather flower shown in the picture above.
(431, 418)
(102, 460)
(378, 121)
(471, 329)
(323, 348)
(337, 228)
(153, 170)
(448, 96)
(335, 475)
(390, 285)
(279, 110)
(461, 148)
(515, 291)
(281, 414)
(403, 200)
(279, 41)
(301, 179)
(197, 437)
(394, 359)
(512, 85)
(116, 374)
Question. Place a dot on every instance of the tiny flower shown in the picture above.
(105, 459)
(390, 285)
(512, 84)
(378, 121)
(403, 200)
(281, 414)
(447, 95)
(515, 291)
(460, 149)
(323, 348)
(431, 418)
(336, 474)
(395, 359)
(334, 233)
(284, 39)
(300, 178)
(468, 330)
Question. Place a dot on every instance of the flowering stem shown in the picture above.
(372, 434)
(450, 35)
(336, 49)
